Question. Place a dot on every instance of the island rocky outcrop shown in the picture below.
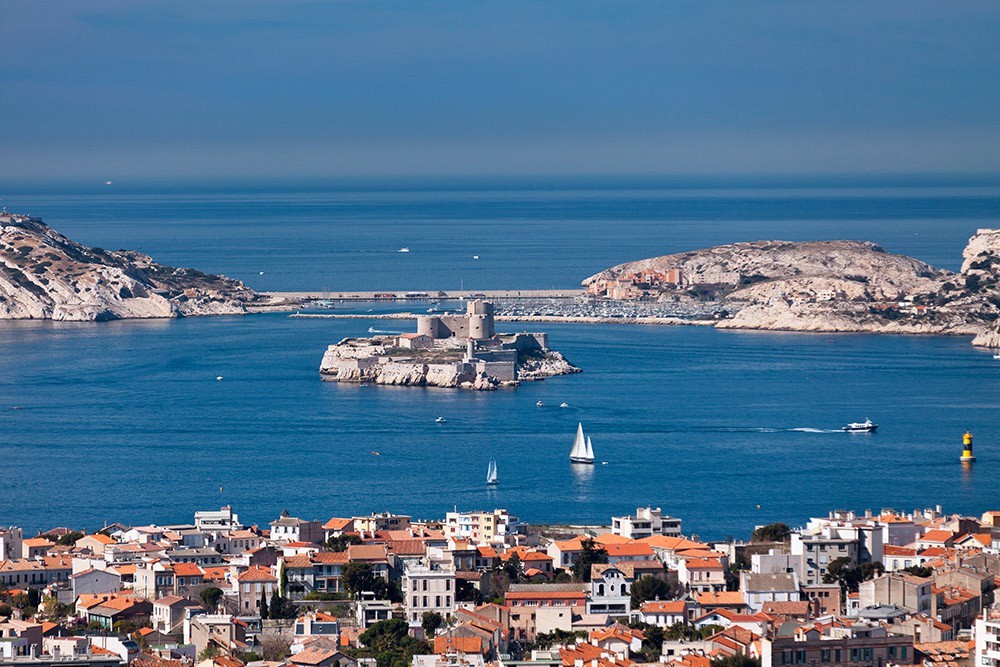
(45, 275)
(829, 286)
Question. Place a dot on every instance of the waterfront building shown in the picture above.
(855, 646)
(482, 527)
(646, 522)
(428, 587)
(610, 590)
(381, 521)
(292, 529)
(760, 588)
(215, 522)
(10, 542)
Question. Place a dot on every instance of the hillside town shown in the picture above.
(484, 588)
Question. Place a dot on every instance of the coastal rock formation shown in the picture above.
(45, 275)
(825, 286)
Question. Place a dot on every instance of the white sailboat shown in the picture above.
(491, 473)
(583, 450)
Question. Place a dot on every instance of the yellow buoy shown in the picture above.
(967, 455)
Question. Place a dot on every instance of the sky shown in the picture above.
(128, 90)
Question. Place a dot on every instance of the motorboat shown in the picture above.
(861, 427)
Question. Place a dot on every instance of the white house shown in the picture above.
(610, 591)
(758, 588)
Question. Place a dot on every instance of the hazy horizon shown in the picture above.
(247, 92)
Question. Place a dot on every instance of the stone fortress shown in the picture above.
(447, 350)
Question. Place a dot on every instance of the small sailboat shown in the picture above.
(491, 473)
(583, 449)
(440, 420)
(540, 404)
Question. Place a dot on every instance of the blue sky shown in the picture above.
(131, 90)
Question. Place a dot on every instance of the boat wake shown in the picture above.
(769, 429)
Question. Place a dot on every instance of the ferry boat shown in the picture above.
(583, 448)
(861, 427)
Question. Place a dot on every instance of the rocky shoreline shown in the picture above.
(45, 275)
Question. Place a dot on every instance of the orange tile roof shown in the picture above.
(604, 539)
(187, 570)
(472, 645)
(725, 598)
(941, 536)
(546, 595)
(893, 550)
(663, 607)
(256, 574)
(338, 524)
(313, 656)
(672, 543)
(37, 542)
(628, 549)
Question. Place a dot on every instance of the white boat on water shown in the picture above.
(861, 427)
(564, 405)
(491, 473)
(403, 249)
(540, 404)
(440, 420)
(583, 449)
(996, 356)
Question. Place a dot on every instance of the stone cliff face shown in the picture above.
(835, 286)
(44, 275)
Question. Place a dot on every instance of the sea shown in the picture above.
(127, 421)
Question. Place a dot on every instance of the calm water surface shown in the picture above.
(125, 420)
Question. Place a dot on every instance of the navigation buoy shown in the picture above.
(967, 455)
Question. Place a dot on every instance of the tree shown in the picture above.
(390, 644)
(652, 643)
(358, 577)
(69, 539)
(282, 578)
(210, 596)
(513, 568)
(649, 588)
(772, 532)
(844, 572)
(431, 622)
(737, 660)
(466, 591)
(263, 607)
(209, 653)
(592, 554)
(341, 542)
(280, 607)
(919, 571)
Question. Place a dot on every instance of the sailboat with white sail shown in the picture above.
(583, 448)
(491, 473)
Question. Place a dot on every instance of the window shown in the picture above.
(824, 655)
(414, 601)
(414, 584)
(836, 655)
(437, 600)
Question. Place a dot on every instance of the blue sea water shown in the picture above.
(125, 420)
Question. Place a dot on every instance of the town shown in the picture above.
(481, 588)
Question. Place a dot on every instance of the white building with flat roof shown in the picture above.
(646, 522)
(428, 587)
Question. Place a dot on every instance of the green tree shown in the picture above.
(69, 539)
(513, 568)
(280, 607)
(652, 643)
(466, 591)
(431, 622)
(556, 637)
(341, 542)
(209, 653)
(592, 554)
(282, 578)
(649, 588)
(772, 532)
(844, 572)
(5, 610)
(210, 596)
(358, 577)
(919, 571)
(264, 612)
(390, 644)
(738, 660)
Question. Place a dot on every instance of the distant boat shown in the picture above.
(564, 405)
(491, 473)
(440, 420)
(403, 249)
(475, 257)
(376, 453)
(583, 449)
(861, 427)
(540, 404)
(218, 377)
(996, 356)
(107, 182)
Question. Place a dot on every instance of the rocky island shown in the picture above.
(460, 350)
(830, 286)
(45, 275)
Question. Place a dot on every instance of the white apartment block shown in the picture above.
(988, 639)
(482, 527)
(645, 523)
(428, 588)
